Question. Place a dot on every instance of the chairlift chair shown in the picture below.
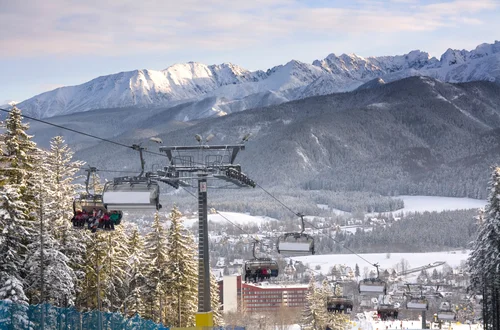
(89, 203)
(339, 303)
(417, 303)
(445, 312)
(129, 193)
(132, 192)
(260, 269)
(335, 304)
(373, 285)
(296, 244)
(366, 304)
(386, 308)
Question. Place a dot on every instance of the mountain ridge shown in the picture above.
(412, 136)
(231, 84)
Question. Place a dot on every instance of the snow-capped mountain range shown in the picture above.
(216, 90)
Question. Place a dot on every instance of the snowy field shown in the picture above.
(436, 203)
(326, 261)
(412, 204)
(412, 324)
(431, 203)
(237, 218)
(415, 324)
(367, 323)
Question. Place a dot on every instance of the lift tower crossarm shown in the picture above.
(233, 148)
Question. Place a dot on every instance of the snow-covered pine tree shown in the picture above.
(134, 278)
(94, 275)
(18, 159)
(156, 273)
(182, 276)
(314, 315)
(218, 318)
(485, 256)
(49, 278)
(114, 266)
(335, 321)
(62, 171)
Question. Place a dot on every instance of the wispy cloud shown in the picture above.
(116, 27)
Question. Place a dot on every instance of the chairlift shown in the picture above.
(87, 205)
(373, 285)
(296, 244)
(339, 303)
(445, 312)
(386, 308)
(132, 192)
(366, 304)
(260, 269)
(417, 303)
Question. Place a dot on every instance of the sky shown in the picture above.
(49, 44)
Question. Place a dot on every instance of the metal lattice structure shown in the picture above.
(201, 164)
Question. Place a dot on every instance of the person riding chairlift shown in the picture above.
(115, 218)
(108, 225)
(77, 218)
(84, 217)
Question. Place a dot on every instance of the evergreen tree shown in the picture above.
(182, 275)
(335, 321)
(12, 247)
(92, 290)
(156, 273)
(218, 318)
(356, 271)
(114, 266)
(61, 175)
(485, 256)
(314, 315)
(134, 278)
(19, 157)
(49, 277)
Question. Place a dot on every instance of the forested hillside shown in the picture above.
(412, 136)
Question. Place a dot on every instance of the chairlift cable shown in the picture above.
(244, 231)
(85, 134)
(345, 247)
(298, 214)
(82, 168)
(247, 233)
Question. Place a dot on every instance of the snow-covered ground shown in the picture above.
(431, 203)
(412, 204)
(436, 203)
(411, 324)
(326, 261)
(237, 218)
